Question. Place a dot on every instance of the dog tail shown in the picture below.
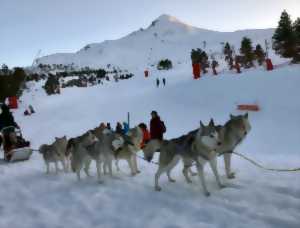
(42, 149)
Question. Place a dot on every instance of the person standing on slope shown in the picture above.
(157, 82)
(119, 129)
(125, 128)
(146, 134)
(157, 127)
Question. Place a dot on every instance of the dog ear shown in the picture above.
(246, 115)
(201, 124)
(231, 116)
(211, 123)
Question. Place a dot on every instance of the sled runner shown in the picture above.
(16, 148)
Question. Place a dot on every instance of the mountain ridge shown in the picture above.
(165, 37)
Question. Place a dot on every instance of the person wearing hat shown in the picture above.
(6, 118)
(7, 125)
(108, 126)
(157, 127)
(125, 128)
(146, 135)
(119, 129)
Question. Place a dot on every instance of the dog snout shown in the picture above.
(219, 144)
(245, 133)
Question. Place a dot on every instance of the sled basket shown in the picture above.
(21, 154)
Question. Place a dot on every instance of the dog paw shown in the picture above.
(157, 188)
(222, 186)
(138, 171)
(207, 194)
(172, 180)
(231, 176)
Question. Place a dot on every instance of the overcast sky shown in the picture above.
(27, 26)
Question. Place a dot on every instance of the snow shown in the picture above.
(166, 37)
(256, 198)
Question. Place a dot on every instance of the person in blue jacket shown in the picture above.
(125, 128)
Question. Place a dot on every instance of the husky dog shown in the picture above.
(102, 152)
(54, 153)
(80, 154)
(132, 144)
(122, 147)
(198, 146)
(232, 134)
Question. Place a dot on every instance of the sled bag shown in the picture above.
(13, 102)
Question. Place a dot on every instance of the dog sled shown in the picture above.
(15, 147)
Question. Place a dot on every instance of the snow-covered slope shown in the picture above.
(30, 198)
(166, 37)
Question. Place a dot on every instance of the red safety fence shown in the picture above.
(269, 64)
(248, 107)
(196, 70)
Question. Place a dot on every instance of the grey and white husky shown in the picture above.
(232, 134)
(229, 136)
(55, 153)
(196, 147)
(80, 156)
(128, 151)
(121, 147)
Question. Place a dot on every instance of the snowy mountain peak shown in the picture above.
(167, 18)
(166, 37)
(166, 21)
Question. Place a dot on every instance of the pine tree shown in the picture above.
(164, 64)
(199, 56)
(259, 54)
(296, 29)
(228, 52)
(284, 42)
(247, 52)
(195, 56)
(52, 85)
(4, 69)
(227, 49)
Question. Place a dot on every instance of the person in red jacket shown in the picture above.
(157, 127)
(146, 134)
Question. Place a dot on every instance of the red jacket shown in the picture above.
(146, 137)
(156, 128)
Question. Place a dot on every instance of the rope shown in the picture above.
(155, 163)
(263, 167)
(247, 159)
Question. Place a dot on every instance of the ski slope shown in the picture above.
(256, 198)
